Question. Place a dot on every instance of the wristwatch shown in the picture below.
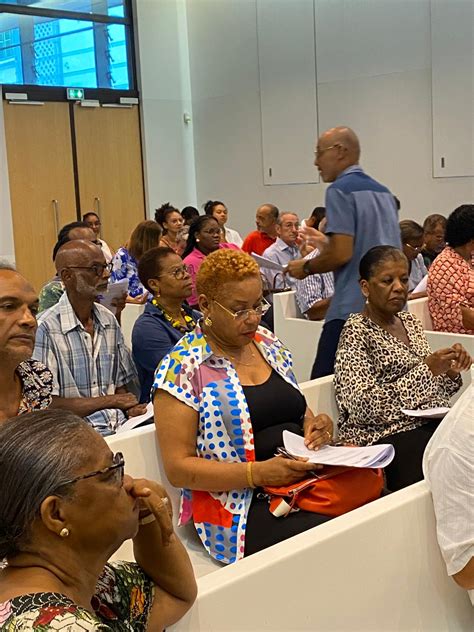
(306, 266)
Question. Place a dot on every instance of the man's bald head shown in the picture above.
(346, 137)
(84, 273)
(338, 148)
(79, 252)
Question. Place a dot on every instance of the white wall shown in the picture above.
(163, 71)
(374, 74)
(6, 230)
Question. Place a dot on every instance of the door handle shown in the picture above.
(56, 215)
(97, 207)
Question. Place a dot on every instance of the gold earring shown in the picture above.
(64, 532)
(208, 321)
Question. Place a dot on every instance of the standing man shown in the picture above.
(361, 213)
(82, 344)
(266, 233)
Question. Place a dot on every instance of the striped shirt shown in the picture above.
(82, 366)
(314, 287)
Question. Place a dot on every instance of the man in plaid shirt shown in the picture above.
(81, 343)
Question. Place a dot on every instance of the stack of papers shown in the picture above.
(373, 456)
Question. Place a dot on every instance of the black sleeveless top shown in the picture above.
(274, 406)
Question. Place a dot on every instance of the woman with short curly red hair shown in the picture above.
(223, 397)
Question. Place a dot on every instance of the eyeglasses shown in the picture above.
(319, 152)
(244, 314)
(118, 467)
(179, 273)
(97, 268)
(414, 248)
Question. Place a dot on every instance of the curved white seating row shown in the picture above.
(377, 568)
(301, 336)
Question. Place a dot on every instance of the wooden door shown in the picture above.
(109, 164)
(40, 166)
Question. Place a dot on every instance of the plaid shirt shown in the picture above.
(82, 366)
(314, 287)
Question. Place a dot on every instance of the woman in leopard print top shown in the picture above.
(384, 364)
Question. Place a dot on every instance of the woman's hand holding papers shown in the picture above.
(318, 430)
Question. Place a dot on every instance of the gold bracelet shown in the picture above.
(249, 475)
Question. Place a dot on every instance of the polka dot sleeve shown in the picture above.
(178, 375)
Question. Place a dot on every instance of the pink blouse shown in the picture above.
(450, 282)
(194, 261)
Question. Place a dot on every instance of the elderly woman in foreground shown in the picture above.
(384, 365)
(223, 397)
(65, 507)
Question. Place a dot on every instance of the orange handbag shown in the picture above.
(333, 492)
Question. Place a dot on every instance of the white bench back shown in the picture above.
(128, 318)
(377, 569)
(419, 307)
(299, 335)
(320, 397)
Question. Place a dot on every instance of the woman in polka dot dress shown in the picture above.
(223, 397)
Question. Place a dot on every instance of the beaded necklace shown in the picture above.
(174, 322)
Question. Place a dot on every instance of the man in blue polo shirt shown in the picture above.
(361, 213)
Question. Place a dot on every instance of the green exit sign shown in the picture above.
(75, 94)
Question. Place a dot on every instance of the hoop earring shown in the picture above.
(208, 321)
(64, 532)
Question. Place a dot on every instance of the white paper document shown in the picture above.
(421, 287)
(268, 264)
(373, 456)
(430, 413)
(139, 420)
(114, 291)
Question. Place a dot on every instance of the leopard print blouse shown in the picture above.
(376, 375)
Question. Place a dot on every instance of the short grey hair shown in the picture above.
(282, 215)
(38, 452)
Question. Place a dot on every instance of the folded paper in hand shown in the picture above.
(114, 291)
(263, 262)
(373, 456)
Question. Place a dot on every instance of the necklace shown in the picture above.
(234, 358)
(189, 325)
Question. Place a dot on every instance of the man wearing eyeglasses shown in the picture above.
(82, 344)
(361, 213)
